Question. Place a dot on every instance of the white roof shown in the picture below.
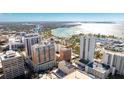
(98, 67)
(31, 35)
(77, 75)
(66, 64)
(9, 55)
(114, 53)
(42, 44)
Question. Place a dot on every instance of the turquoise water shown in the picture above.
(94, 28)
(64, 32)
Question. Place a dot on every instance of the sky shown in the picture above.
(20, 17)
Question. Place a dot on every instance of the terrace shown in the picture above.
(84, 61)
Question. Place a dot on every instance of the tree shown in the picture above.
(98, 54)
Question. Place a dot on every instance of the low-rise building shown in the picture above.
(77, 75)
(99, 70)
(3, 38)
(66, 67)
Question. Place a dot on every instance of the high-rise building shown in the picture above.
(43, 56)
(15, 45)
(114, 59)
(58, 47)
(87, 47)
(22, 33)
(31, 39)
(13, 64)
(65, 54)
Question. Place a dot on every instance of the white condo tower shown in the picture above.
(87, 47)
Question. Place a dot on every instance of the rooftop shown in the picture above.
(42, 44)
(101, 67)
(77, 75)
(84, 61)
(114, 53)
(59, 73)
(31, 35)
(45, 76)
(88, 35)
(9, 54)
(65, 49)
(67, 64)
(49, 76)
(13, 43)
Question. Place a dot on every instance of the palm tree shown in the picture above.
(98, 54)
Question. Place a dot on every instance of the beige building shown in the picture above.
(43, 56)
(13, 64)
(3, 38)
(65, 54)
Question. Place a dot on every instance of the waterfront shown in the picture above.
(115, 29)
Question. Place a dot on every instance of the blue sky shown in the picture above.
(17, 17)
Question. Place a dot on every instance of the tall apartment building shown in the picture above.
(13, 64)
(31, 39)
(43, 56)
(114, 59)
(22, 34)
(87, 47)
(15, 45)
